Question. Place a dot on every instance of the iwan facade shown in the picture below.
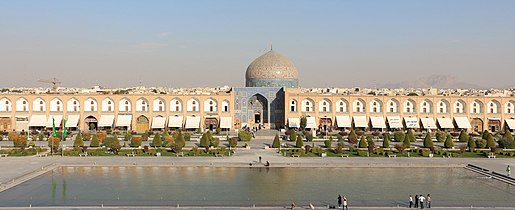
(271, 98)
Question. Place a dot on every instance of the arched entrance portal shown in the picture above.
(494, 125)
(142, 124)
(477, 125)
(258, 110)
(211, 123)
(91, 123)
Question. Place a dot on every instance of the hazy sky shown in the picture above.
(333, 43)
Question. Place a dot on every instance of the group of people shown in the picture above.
(419, 201)
(342, 202)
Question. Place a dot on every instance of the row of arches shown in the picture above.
(109, 105)
(443, 106)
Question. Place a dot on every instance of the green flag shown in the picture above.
(54, 133)
(64, 129)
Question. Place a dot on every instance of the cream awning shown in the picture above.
(360, 121)
(294, 122)
(462, 122)
(57, 119)
(192, 122)
(158, 122)
(124, 121)
(311, 122)
(343, 122)
(37, 121)
(226, 122)
(394, 121)
(72, 121)
(378, 122)
(445, 122)
(428, 123)
(175, 121)
(411, 122)
(510, 123)
(106, 121)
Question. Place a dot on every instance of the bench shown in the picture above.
(83, 155)
(131, 155)
(180, 154)
(345, 155)
(219, 155)
(491, 155)
(392, 156)
(4, 155)
(295, 155)
(42, 155)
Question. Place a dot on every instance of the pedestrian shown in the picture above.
(293, 205)
(345, 205)
(428, 201)
(311, 206)
(339, 201)
(416, 201)
(410, 201)
(259, 159)
(422, 199)
(508, 170)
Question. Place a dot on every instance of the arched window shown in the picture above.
(392, 106)
(375, 106)
(225, 106)
(358, 106)
(341, 106)
(324, 105)
(22, 105)
(409, 106)
(176, 105)
(293, 106)
(475, 107)
(39, 105)
(193, 105)
(210, 105)
(308, 105)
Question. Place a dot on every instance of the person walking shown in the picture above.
(410, 201)
(422, 199)
(416, 201)
(345, 204)
(428, 201)
(339, 201)
(508, 170)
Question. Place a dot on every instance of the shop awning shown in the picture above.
(311, 122)
(445, 122)
(294, 122)
(192, 122)
(226, 122)
(360, 121)
(124, 121)
(37, 121)
(411, 122)
(462, 122)
(343, 122)
(72, 121)
(428, 123)
(510, 123)
(377, 122)
(394, 121)
(57, 119)
(158, 122)
(175, 121)
(106, 121)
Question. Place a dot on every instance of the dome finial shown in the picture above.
(271, 47)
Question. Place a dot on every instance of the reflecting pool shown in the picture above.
(216, 186)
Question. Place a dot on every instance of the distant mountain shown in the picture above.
(435, 81)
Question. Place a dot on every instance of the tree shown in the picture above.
(464, 136)
(386, 140)
(370, 143)
(21, 142)
(471, 144)
(406, 142)
(244, 136)
(448, 142)
(78, 141)
(214, 142)
(144, 137)
(166, 134)
(53, 143)
(490, 142)
(363, 142)
(440, 136)
(353, 137)
(233, 142)
(95, 142)
(399, 136)
(299, 142)
(309, 137)
(328, 143)
(178, 143)
(303, 122)
(293, 135)
(508, 136)
(136, 141)
(277, 141)
(428, 141)
(411, 135)
(507, 141)
(485, 134)
(204, 141)
(157, 141)
(113, 144)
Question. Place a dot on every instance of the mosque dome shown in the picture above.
(272, 70)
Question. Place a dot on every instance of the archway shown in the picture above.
(325, 124)
(142, 124)
(5, 123)
(477, 125)
(211, 123)
(494, 125)
(91, 123)
(258, 110)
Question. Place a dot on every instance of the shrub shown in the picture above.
(506, 142)
(339, 147)
(101, 135)
(406, 142)
(299, 142)
(480, 143)
(186, 136)
(144, 137)
(214, 142)
(20, 142)
(204, 141)
(490, 142)
(244, 136)
(127, 137)
(328, 143)
(277, 141)
(78, 141)
(363, 142)
(370, 144)
(95, 142)
(135, 141)
(399, 136)
(441, 136)
(309, 137)
(53, 143)
(464, 136)
(303, 122)
(353, 137)
(400, 147)
(386, 140)
(293, 135)
(410, 136)
(485, 134)
(508, 136)
(448, 142)
(428, 141)
(157, 141)
(12, 136)
(218, 130)
(471, 144)
(178, 143)
(86, 137)
(113, 144)
(233, 142)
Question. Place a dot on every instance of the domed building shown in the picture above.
(272, 70)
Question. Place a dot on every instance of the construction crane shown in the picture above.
(53, 81)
